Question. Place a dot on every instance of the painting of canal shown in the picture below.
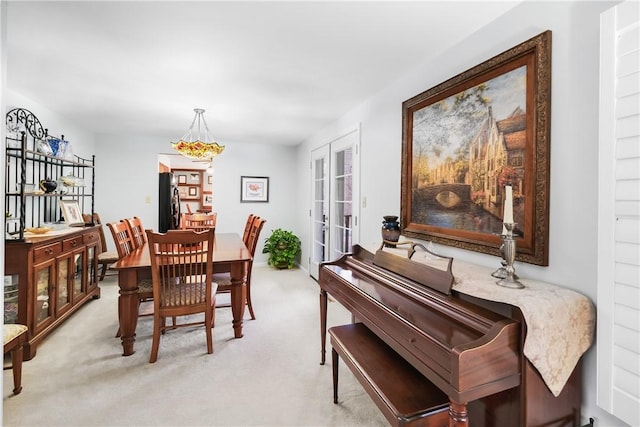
(465, 149)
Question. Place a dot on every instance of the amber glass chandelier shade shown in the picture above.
(198, 150)
(193, 143)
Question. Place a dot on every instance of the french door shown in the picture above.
(334, 203)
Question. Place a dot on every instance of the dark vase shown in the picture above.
(390, 230)
(48, 185)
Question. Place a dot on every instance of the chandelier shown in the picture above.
(193, 143)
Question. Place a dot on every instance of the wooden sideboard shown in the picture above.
(48, 278)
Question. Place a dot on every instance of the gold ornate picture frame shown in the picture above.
(467, 138)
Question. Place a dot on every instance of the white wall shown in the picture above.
(574, 146)
(82, 140)
(127, 176)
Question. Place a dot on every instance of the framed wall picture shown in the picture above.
(193, 178)
(466, 139)
(71, 212)
(207, 199)
(182, 179)
(189, 192)
(254, 189)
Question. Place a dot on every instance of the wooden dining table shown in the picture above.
(229, 255)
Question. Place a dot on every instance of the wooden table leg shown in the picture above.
(238, 296)
(128, 309)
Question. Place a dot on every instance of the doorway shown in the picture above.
(334, 199)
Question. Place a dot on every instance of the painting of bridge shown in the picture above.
(464, 155)
(467, 138)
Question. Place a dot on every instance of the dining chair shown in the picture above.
(181, 271)
(198, 221)
(122, 238)
(247, 228)
(14, 337)
(124, 245)
(136, 230)
(251, 242)
(105, 256)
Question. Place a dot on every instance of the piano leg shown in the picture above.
(334, 360)
(323, 325)
(458, 416)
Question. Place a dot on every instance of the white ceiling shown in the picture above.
(265, 72)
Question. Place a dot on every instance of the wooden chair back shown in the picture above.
(181, 270)
(122, 238)
(136, 230)
(254, 234)
(198, 221)
(96, 220)
(247, 229)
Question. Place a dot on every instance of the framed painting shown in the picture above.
(193, 178)
(189, 192)
(71, 212)
(182, 179)
(254, 189)
(465, 140)
(207, 199)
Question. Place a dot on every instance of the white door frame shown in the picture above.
(349, 138)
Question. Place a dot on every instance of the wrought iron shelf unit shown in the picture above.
(26, 166)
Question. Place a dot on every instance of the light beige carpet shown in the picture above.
(270, 377)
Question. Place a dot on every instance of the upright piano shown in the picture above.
(469, 348)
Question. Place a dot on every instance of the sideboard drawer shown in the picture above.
(91, 237)
(72, 243)
(47, 252)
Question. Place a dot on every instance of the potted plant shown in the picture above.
(283, 248)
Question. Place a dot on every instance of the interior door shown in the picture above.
(334, 214)
(319, 251)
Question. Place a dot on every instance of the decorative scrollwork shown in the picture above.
(20, 119)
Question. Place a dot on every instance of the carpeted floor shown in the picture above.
(270, 377)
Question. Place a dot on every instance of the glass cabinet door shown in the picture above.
(63, 299)
(77, 279)
(11, 287)
(92, 266)
(44, 275)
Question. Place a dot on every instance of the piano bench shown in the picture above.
(404, 395)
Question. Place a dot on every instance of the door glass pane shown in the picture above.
(63, 286)
(343, 195)
(42, 298)
(77, 273)
(320, 218)
(11, 298)
(91, 253)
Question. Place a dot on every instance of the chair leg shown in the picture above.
(103, 272)
(208, 322)
(157, 325)
(16, 361)
(249, 305)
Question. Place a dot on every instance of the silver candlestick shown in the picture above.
(507, 274)
(501, 272)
